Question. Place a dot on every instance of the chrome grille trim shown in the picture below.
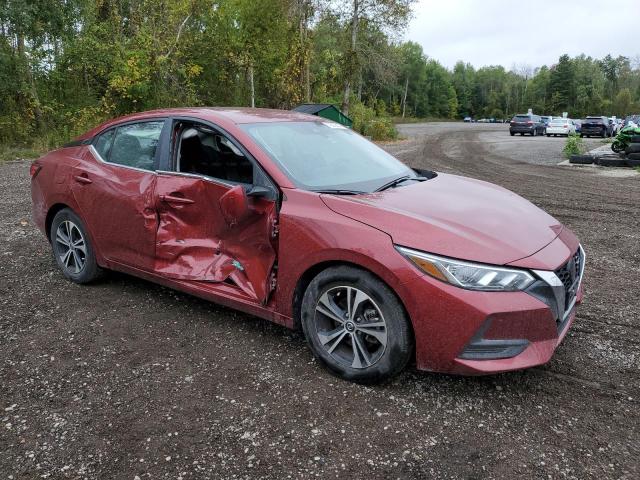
(565, 283)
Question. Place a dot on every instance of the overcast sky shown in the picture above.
(534, 33)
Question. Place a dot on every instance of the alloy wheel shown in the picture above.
(71, 247)
(350, 327)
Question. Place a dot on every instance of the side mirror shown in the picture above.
(259, 191)
(234, 205)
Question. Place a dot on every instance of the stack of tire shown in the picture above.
(631, 157)
(632, 152)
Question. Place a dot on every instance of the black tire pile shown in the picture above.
(631, 157)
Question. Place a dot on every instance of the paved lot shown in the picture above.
(125, 378)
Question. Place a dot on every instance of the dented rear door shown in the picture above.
(195, 242)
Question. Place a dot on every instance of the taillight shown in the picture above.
(34, 169)
(566, 126)
(529, 123)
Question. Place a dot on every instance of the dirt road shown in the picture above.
(125, 378)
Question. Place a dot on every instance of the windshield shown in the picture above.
(324, 155)
(560, 121)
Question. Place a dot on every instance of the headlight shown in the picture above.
(473, 276)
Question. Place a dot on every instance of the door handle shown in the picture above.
(173, 199)
(83, 179)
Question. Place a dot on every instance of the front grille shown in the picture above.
(569, 274)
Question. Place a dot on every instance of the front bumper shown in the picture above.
(474, 333)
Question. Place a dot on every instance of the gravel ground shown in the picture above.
(125, 379)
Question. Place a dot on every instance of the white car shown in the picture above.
(561, 126)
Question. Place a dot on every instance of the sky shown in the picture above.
(518, 33)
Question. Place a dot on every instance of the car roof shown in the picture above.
(219, 115)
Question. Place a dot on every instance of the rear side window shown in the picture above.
(104, 143)
(521, 118)
(132, 145)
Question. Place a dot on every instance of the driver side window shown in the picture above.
(199, 149)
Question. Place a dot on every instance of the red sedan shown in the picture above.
(303, 222)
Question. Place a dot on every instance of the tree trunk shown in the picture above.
(33, 91)
(404, 97)
(355, 19)
(253, 90)
(307, 81)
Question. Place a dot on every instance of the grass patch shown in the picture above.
(573, 146)
(421, 120)
(19, 153)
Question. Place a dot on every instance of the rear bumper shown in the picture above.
(521, 129)
(593, 131)
(557, 131)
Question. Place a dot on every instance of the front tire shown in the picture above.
(355, 325)
(72, 248)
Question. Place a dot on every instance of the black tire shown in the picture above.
(548, 135)
(632, 148)
(581, 159)
(603, 134)
(611, 162)
(81, 266)
(512, 134)
(386, 361)
(633, 156)
(635, 139)
(522, 134)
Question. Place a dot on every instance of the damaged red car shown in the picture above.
(303, 222)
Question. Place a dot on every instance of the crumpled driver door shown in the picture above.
(195, 242)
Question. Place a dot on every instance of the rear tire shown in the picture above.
(581, 159)
(72, 248)
(633, 156)
(632, 148)
(612, 162)
(338, 334)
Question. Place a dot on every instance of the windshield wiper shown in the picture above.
(398, 181)
(340, 192)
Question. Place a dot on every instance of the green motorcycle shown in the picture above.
(623, 139)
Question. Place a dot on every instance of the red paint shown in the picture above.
(212, 240)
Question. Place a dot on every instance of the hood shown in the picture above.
(456, 217)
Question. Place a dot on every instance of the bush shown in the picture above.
(367, 123)
(573, 146)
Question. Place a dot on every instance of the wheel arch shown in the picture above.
(51, 213)
(312, 271)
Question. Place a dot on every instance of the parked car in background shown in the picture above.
(242, 207)
(596, 127)
(561, 126)
(546, 119)
(578, 125)
(525, 123)
(468, 119)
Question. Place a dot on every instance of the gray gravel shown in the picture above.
(126, 379)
